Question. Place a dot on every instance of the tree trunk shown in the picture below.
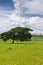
(13, 42)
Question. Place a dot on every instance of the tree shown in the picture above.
(18, 33)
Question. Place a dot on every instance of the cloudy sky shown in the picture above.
(25, 13)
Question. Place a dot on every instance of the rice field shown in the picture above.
(22, 53)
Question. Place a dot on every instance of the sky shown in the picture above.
(23, 13)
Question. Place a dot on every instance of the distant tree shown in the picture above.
(18, 33)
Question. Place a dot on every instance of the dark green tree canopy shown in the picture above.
(18, 33)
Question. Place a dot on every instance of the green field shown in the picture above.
(22, 53)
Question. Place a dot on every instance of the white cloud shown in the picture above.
(29, 6)
(23, 7)
(36, 23)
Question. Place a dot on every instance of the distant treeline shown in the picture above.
(37, 35)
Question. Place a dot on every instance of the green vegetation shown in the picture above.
(18, 33)
(37, 39)
(22, 53)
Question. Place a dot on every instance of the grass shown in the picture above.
(22, 53)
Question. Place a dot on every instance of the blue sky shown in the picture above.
(26, 13)
(6, 4)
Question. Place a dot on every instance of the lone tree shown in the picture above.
(18, 33)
